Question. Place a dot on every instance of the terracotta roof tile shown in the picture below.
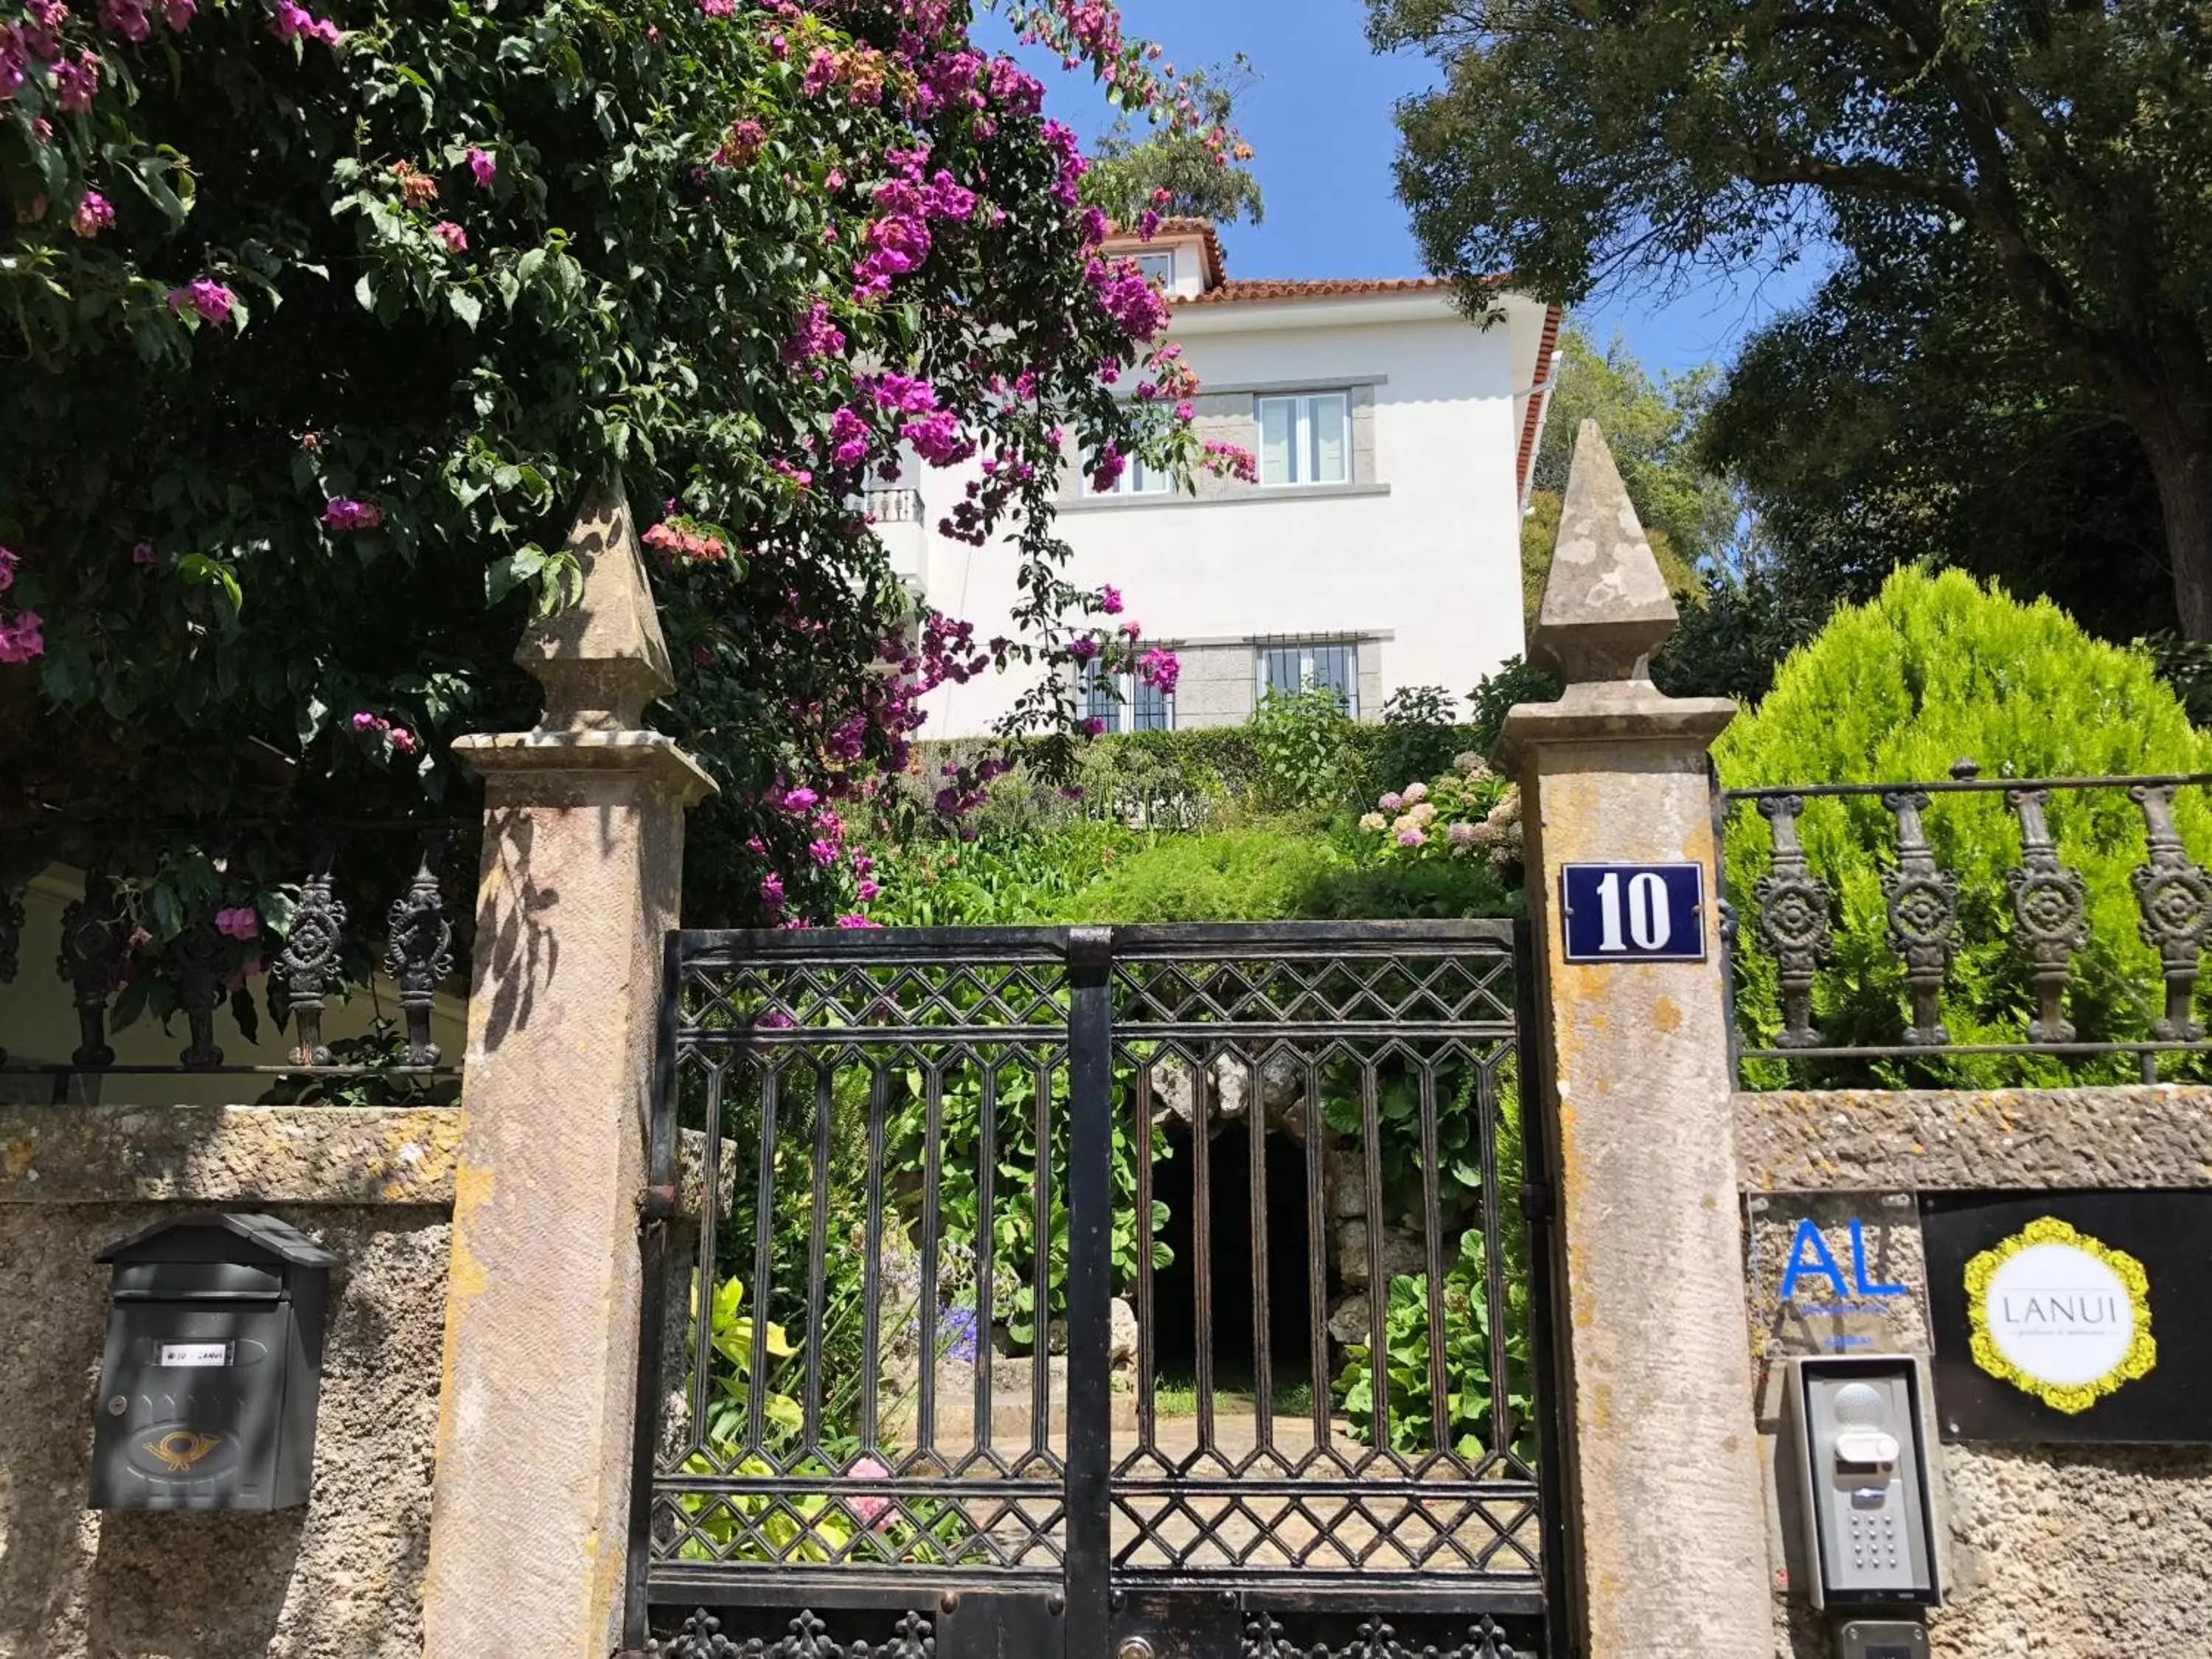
(1228, 293)
(1540, 393)
(1121, 239)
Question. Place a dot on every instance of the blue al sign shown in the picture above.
(1633, 912)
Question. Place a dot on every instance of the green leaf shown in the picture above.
(464, 306)
(510, 570)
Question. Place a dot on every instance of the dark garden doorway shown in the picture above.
(1226, 1256)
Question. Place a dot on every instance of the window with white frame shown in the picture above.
(1294, 665)
(1125, 703)
(1136, 479)
(1157, 268)
(1306, 439)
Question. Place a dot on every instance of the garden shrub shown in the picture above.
(1934, 670)
(1260, 874)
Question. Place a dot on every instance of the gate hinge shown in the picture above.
(1537, 1200)
(657, 1203)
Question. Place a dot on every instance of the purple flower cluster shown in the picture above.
(294, 21)
(343, 514)
(213, 303)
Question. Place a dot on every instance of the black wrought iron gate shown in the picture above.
(1069, 1293)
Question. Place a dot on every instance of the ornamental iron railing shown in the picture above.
(305, 944)
(1057, 1290)
(2024, 931)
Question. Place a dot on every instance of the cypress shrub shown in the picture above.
(1934, 670)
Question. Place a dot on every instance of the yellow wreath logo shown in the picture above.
(2060, 1314)
(180, 1448)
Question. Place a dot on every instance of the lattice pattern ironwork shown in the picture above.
(878, 1379)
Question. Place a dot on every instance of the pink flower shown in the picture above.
(483, 166)
(294, 21)
(142, 555)
(404, 741)
(1411, 838)
(19, 640)
(1109, 599)
(1094, 727)
(365, 721)
(455, 239)
(1391, 802)
(823, 853)
(126, 18)
(93, 215)
(852, 921)
(75, 82)
(344, 515)
(237, 921)
(8, 560)
(771, 892)
(207, 297)
(868, 891)
(1082, 647)
(1160, 670)
(801, 800)
(178, 13)
(1148, 225)
(1461, 834)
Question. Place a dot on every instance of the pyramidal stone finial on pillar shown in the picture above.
(603, 658)
(1605, 607)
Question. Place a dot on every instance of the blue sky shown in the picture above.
(1320, 120)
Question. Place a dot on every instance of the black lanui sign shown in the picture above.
(2071, 1316)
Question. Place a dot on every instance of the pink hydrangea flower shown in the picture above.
(481, 164)
(1415, 794)
(1391, 802)
(1411, 838)
(93, 214)
(237, 921)
(455, 239)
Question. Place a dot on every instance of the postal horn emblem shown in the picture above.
(180, 1448)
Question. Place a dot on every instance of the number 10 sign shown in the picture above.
(1633, 912)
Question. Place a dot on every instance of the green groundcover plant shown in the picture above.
(1935, 669)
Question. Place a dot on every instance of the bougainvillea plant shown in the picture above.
(318, 321)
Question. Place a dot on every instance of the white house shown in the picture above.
(1381, 546)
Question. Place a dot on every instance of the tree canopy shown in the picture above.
(1181, 174)
(317, 328)
(1574, 140)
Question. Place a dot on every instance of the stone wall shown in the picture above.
(2058, 1553)
(340, 1578)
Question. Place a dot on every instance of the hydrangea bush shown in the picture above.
(1469, 812)
(319, 322)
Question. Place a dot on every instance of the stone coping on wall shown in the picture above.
(1927, 1140)
(228, 1154)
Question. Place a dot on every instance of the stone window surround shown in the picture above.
(1363, 459)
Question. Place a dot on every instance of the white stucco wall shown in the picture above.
(1422, 548)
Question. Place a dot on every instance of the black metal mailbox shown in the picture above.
(214, 1363)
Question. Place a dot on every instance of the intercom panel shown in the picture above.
(1863, 1466)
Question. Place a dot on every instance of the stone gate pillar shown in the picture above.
(582, 855)
(1668, 1541)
